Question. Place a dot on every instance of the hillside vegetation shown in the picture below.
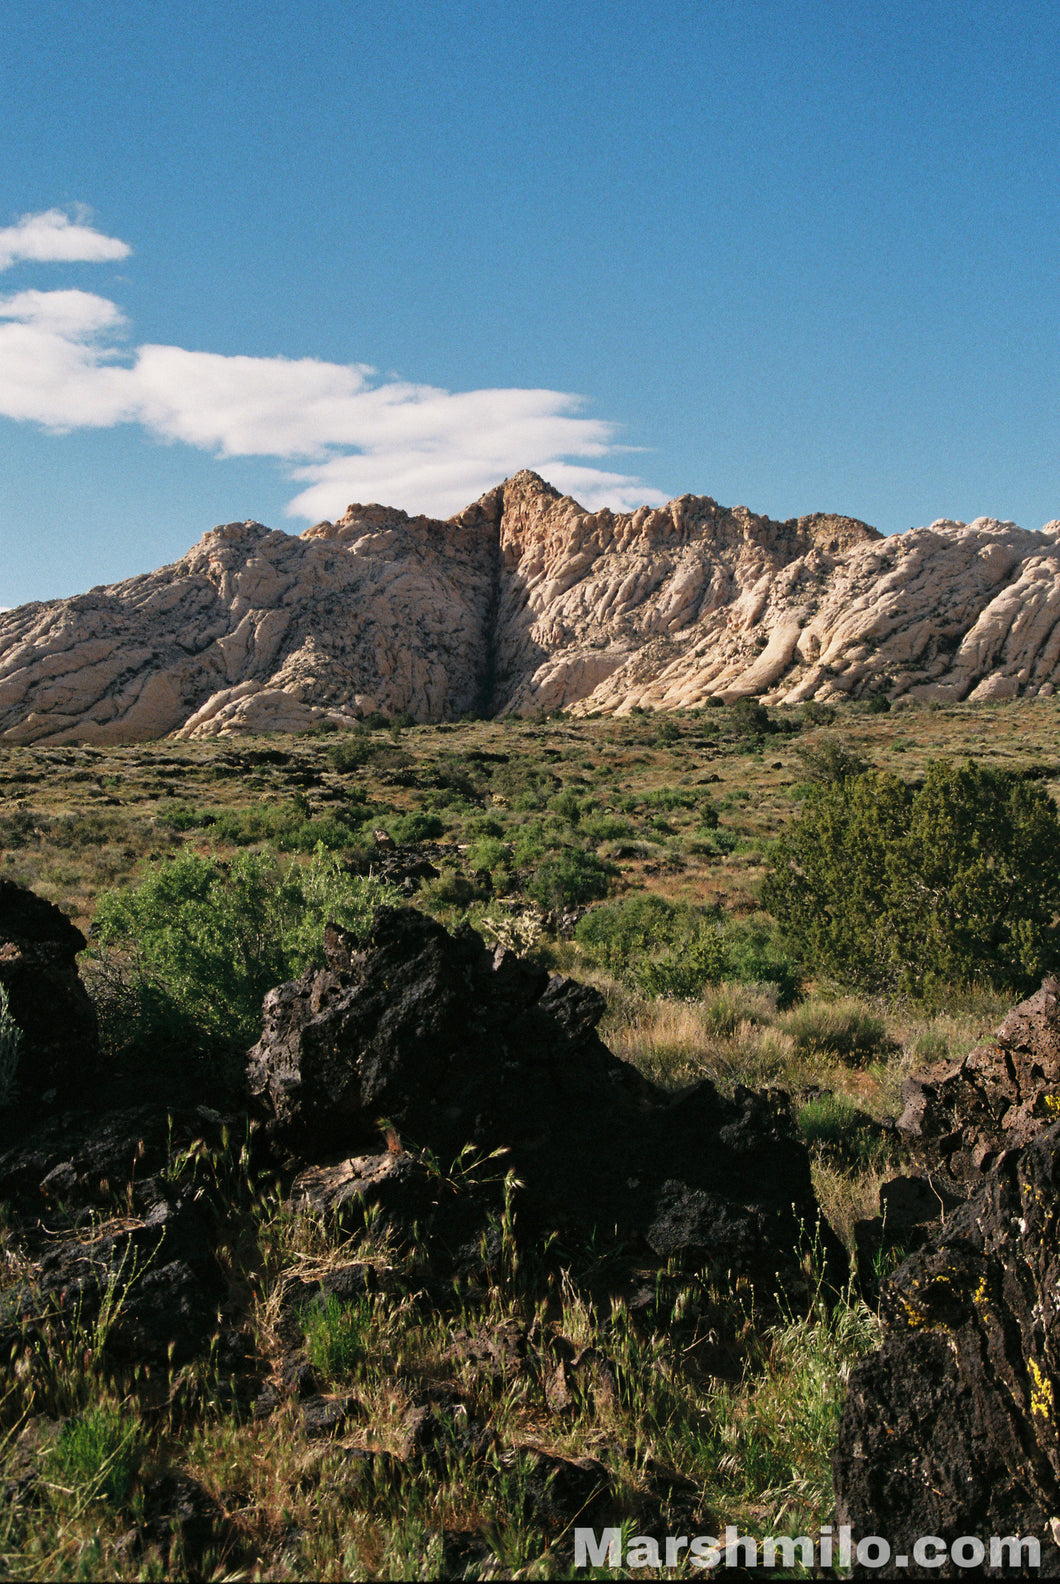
(637, 853)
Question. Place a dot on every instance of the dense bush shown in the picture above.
(200, 942)
(684, 973)
(289, 826)
(487, 854)
(415, 827)
(605, 827)
(754, 955)
(885, 884)
(831, 760)
(751, 718)
(675, 949)
(351, 752)
(620, 931)
(569, 878)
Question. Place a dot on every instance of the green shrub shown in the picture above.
(671, 798)
(685, 973)
(570, 878)
(205, 940)
(307, 835)
(528, 843)
(884, 884)
(487, 854)
(353, 751)
(620, 932)
(830, 760)
(605, 827)
(523, 783)
(754, 955)
(750, 718)
(674, 949)
(484, 825)
(708, 814)
(567, 805)
(182, 818)
(288, 826)
(450, 889)
(415, 827)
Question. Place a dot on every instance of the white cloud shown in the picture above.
(340, 430)
(56, 237)
(55, 367)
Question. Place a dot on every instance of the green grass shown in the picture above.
(97, 1455)
(336, 1336)
(526, 819)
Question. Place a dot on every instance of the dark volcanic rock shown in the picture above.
(959, 1119)
(450, 1044)
(38, 970)
(910, 1209)
(951, 1428)
(154, 1280)
(95, 1220)
(961, 1116)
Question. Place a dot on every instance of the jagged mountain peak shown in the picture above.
(527, 600)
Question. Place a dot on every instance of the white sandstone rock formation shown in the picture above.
(525, 601)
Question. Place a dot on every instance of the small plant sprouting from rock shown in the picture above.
(336, 1335)
(99, 1454)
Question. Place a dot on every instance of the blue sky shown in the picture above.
(259, 260)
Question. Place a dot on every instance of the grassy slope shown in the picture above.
(74, 821)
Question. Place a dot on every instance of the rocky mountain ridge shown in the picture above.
(526, 601)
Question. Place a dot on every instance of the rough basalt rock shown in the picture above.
(446, 1044)
(959, 1117)
(139, 1243)
(951, 1428)
(59, 1046)
(527, 601)
(94, 1217)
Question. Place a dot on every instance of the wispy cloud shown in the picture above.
(57, 237)
(338, 428)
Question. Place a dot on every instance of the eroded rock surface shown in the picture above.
(525, 600)
(59, 1044)
(960, 1117)
(140, 1238)
(951, 1428)
(448, 1044)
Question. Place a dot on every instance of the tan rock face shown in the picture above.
(525, 601)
